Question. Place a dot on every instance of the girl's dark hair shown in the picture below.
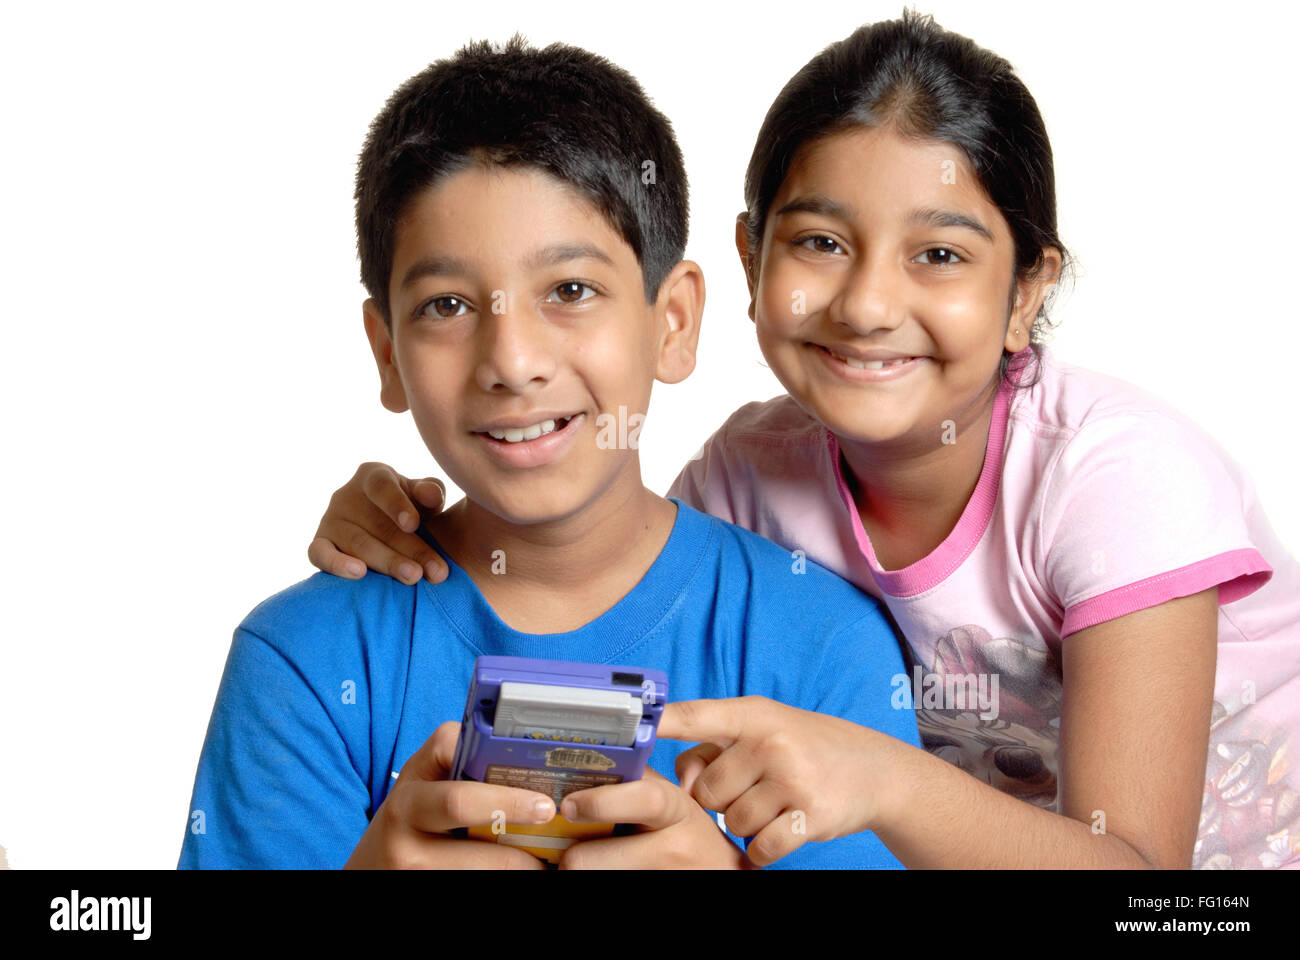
(561, 109)
(931, 84)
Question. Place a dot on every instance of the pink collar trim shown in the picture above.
(939, 564)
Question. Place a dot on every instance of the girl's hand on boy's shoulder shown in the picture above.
(780, 774)
(675, 831)
(371, 522)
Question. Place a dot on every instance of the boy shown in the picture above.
(521, 220)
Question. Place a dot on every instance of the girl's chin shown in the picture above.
(858, 430)
(873, 435)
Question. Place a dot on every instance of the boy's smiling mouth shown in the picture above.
(516, 431)
(531, 440)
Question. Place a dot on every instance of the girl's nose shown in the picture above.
(871, 297)
(516, 350)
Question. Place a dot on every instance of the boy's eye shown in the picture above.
(571, 291)
(818, 244)
(940, 257)
(446, 306)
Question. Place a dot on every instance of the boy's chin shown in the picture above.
(524, 507)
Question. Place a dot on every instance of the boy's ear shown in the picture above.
(391, 392)
(679, 308)
(746, 257)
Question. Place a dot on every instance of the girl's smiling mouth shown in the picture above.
(871, 366)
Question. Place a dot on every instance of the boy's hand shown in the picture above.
(410, 829)
(371, 521)
(676, 832)
(780, 774)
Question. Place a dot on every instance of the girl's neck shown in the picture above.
(910, 499)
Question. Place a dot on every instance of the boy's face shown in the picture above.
(517, 307)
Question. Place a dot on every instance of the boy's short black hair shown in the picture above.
(562, 109)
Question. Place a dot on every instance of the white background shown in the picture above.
(186, 378)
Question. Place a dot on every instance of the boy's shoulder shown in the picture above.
(768, 568)
(320, 612)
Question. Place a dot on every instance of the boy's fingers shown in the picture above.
(652, 802)
(614, 853)
(446, 853)
(450, 804)
(718, 721)
(323, 555)
(481, 855)
(434, 758)
(429, 803)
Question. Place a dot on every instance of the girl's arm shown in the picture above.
(1135, 725)
(1131, 764)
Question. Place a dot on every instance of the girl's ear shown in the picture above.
(679, 308)
(746, 257)
(1029, 296)
(391, 392)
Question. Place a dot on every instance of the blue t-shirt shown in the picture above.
(332, 684)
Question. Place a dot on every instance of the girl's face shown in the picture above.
(878, 248)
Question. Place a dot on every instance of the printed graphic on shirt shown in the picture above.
(1014, 750)
(1250, 815)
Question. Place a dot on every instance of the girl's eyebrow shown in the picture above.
(933, 217)
(817, 203)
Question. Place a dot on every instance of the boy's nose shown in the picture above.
(518, 349)
(871, 297)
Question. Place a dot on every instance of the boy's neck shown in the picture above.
(558, 576)
(910, 499)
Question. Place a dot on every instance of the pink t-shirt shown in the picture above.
(1095, 500)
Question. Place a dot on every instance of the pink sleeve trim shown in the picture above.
(1237, 573)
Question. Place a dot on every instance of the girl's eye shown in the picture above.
(940, 257)
(818, 244)
(446, 306)
(571, 291)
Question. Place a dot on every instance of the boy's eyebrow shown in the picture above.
(933, 217)
(434, 266)
(563, 252)
(441, 265)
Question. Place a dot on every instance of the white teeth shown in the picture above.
(520, 434)
(868, 364)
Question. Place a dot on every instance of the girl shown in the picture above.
(1084, 581)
